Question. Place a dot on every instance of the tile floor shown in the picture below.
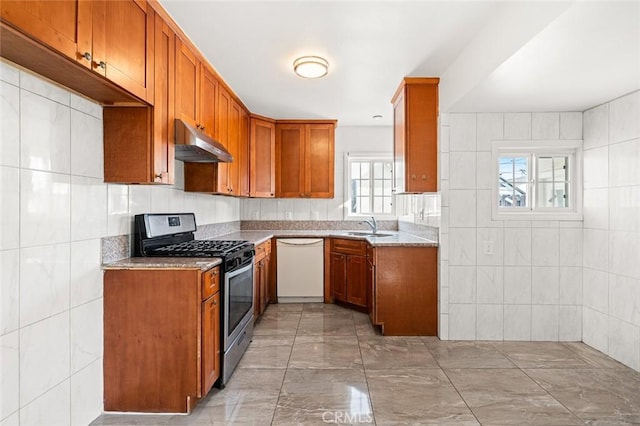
(316, 364)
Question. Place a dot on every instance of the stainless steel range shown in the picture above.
(173, 235)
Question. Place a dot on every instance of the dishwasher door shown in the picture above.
(300, 267)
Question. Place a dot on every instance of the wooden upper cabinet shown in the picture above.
(111, 38)
(223, 134)
(415, 136)
(208, 100)
(187, 80)
(123, 37)
(305, 159)
(54, 23)
(263, 158)
(244, 160)
(139, 141)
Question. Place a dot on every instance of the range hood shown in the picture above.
(193, 146)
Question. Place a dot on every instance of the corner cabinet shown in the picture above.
(305, 158)
(161, 338)
(415, 136)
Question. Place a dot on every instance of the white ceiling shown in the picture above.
(491, 56)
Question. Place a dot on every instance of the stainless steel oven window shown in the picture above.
(238, 306)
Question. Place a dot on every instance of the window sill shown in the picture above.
(538, 216)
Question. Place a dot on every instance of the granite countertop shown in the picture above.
(394, 238)
(201, 263)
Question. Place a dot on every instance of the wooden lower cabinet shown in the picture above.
(348, 272)
(403, 285)
(261, 278)
(161, 338)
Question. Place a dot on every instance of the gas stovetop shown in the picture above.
(172, 234)
(201, 248)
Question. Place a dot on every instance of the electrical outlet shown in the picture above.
(488, 247)
(288, 215)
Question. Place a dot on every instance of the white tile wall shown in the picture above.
(522, 279)
(55, 209)
(611, 239)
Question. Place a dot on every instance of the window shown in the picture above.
(369, 182)
(537, 180)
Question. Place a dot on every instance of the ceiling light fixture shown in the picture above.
(311, 66)
(377, 117)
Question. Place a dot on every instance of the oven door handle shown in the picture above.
(232, 274)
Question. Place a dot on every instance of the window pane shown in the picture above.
(364, 205)
(364, 170)
(387, 188)
(377, 170)
(364, 187)
(552, 195)
(355, 170)
(387, 204)
(545, 169)
(388, 166)
(377, 204)
(513, 181)
(560, 166)
(377, 187)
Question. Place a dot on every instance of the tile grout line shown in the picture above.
(286, 370)
(364, 371)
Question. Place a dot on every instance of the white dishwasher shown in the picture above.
(300, 269)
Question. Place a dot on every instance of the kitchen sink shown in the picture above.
(369, 234)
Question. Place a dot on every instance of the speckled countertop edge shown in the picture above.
(397, 238)
(201, 263)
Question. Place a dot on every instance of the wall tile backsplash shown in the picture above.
(55, 211)
(506, 280)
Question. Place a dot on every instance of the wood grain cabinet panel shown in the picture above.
(305, 159)
(262, 277)
(54, 23)
(348, 271)
(161, 339)
(139, 141)
(187, 84)
(244, 155)
(263, 158)
(415, 135)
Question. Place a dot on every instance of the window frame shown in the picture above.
(365, 156)
(534, 150)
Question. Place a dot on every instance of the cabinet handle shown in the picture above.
(158, 176)
(102, 64)
(413, 177)
(302, 194)
(424, 177)
(87, 56)
(215, 302)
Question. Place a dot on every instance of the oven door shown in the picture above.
(238, 302)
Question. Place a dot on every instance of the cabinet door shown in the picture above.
(210, 342)
(339, 276)
(223, 133)
(421, 138)
(262, 145)
(123, 44)
(371, 291)
(319, 160)
(233, 145)
(164, 103)
(290, 164)
(208, 100)
(244, 155)
(54, 23)
(398, 145)
(187, 78)
(357, 280)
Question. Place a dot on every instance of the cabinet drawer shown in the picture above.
(348, 246)
(210, 282)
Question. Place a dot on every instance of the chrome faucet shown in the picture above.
(372, 223)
